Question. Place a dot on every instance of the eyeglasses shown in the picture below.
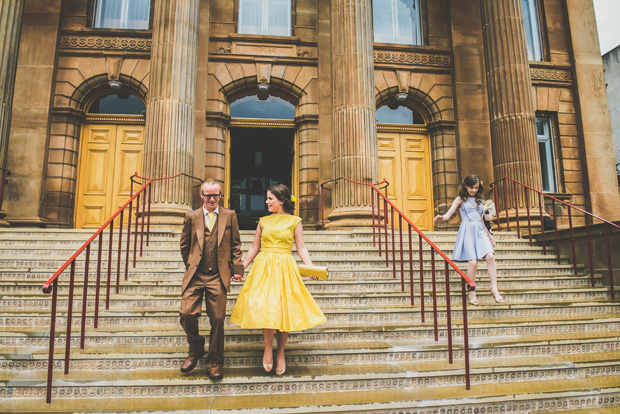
(209, 196)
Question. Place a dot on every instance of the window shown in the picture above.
(397, 21)
(265, 17)
(122, 14)
(532, 29)
(547, 158)
(398, 115)
(270, 108)
(119, 104)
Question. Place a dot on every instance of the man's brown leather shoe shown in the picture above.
(190, 362)
(215, 372)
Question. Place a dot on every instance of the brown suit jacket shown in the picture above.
(228, 244)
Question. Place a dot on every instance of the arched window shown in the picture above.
(398, 115)
(122, 14)
(265, 17)
(397, 21)
(117, 104)
(270, 108)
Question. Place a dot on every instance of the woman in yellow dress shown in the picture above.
(274, 296)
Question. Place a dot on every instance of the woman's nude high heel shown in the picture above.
(471, 295)
(498, 298)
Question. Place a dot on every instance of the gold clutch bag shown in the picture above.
(320, 272)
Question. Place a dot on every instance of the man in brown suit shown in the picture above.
(211, 251)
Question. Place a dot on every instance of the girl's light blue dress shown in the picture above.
(471, 240)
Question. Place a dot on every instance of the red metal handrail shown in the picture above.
(52, 284)
(3, 176)
(433, 249)
(587, 218)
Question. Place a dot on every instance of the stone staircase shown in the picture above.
(553, 346)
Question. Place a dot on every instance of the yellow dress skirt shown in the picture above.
(274, 295)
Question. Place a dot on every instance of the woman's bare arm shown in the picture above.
(254, 248)
(455, 205)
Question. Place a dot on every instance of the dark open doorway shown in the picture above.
(260, 158)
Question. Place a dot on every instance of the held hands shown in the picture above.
(237, 278)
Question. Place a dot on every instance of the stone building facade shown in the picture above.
(611, 60)
(249, 92)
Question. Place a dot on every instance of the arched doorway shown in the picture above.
(261, 152)
(111, 150)
(405, 161)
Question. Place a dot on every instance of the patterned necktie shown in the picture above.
(211, 222)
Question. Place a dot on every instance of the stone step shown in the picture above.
(371, 336)
(352, 318)
(344, 299)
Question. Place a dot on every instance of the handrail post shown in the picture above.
(322, 207)
(118, 258)
(465, 334)
(52, 340)
(148, 219)
(449, 315)
(110, 242)
(128, 247)
(517, 209)
(557, 236)
(98, 283)
(135, 231)
(499, 225)
(385, 222)
(142, 227)
(609, 266)
(372, 201)
(572, 240)
(589, 250)
(434, 294)
(411, 266)
(542, 224)
(69, 317)
(402, 265)
(379, 224)
(85, 296)
(421, 277)
(393, 243)
(506, 204)
(529, 222)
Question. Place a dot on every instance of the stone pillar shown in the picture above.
(354, 130)
(600, 189)
(170, 108)
(513, 121)
(10, 27)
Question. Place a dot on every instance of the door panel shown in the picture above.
(109, 155)
(404, 160)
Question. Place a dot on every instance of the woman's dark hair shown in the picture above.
(471, 181)
(282, 193)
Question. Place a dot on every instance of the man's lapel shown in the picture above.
(221, 224)
(199, 224)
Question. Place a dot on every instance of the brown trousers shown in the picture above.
(191, 304)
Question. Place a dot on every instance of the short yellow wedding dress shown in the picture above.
(274, 295)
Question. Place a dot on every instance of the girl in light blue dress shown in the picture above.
(472, 242)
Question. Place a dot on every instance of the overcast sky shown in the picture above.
(608, 22)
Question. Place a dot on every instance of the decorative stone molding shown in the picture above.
(425, 59)
(105, 43)
(554, 75)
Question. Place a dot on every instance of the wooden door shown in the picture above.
(405, 161)
(109, 155)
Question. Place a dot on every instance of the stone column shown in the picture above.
(600, 188)
(354, 128)
(513, 121)
(170, 108)
(10, 25)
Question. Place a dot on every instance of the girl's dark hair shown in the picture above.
(471, 181)
(282, 193)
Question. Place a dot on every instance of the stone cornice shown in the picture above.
(547, 72)
(406, 56)
(112, 41)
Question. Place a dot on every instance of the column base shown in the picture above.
(523, 224)
(169, 215)
(3, 222)
(347, 218)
